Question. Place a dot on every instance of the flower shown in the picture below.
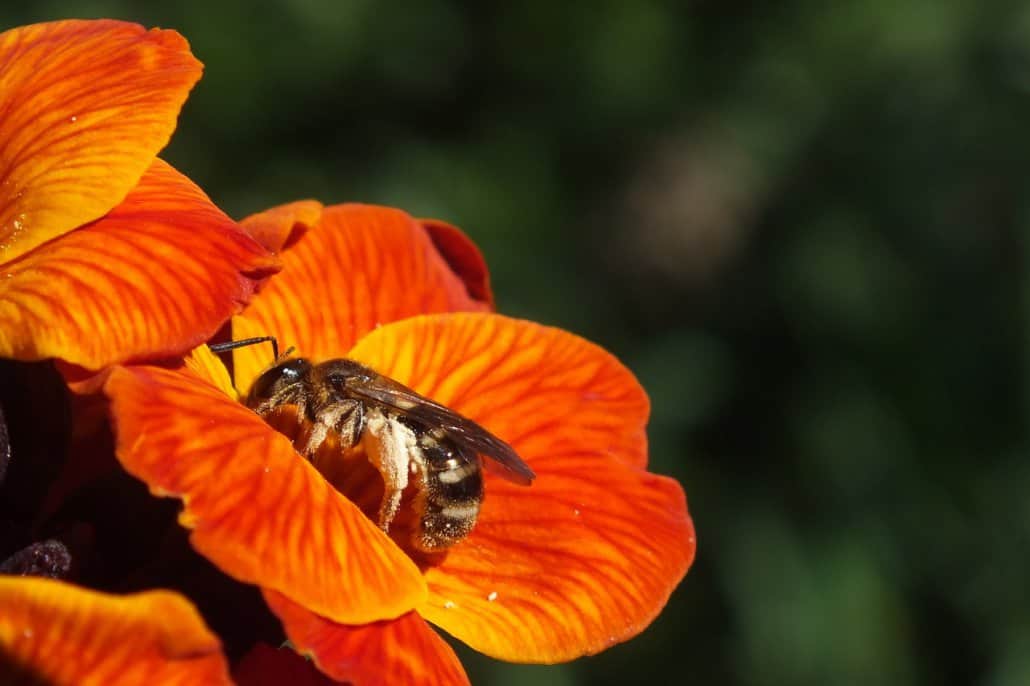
(106, 253)
(69, 636)
(583, 558)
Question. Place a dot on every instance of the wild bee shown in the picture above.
(404, 434)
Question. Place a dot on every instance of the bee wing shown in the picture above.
(504, 461)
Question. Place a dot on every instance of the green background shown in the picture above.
(802, 224)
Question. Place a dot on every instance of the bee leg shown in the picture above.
(327, 419)
(350, 426)
(390, 447)
(316, 435)
(270, 405)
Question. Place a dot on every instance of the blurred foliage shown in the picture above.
(803, 224)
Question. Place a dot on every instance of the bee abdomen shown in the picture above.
(452, 494)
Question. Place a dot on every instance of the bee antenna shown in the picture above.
(286, 353)
(244, 342)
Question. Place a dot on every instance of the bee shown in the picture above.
(404, 434)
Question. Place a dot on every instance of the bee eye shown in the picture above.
(278, 377)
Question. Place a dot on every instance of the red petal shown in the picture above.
(92, 446)
(360, 267)
(86, 107)
(70, 636)
(401, 651)
(280, 227)
(257, 509)
(588, 554)
(464, 257)
(155, 277)
(266, 666)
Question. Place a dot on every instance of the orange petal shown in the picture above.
(86, 107)
(154, 277)
(207, 366)
(71, 636)
(281, 227)
(360, 267)
(401, 651)
(257, 509)
(584, 558)
(464, 257)
(588, 554)
(267, 666)
(540, 387)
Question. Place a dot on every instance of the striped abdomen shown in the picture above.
(451, 493)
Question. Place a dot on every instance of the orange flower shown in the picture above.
(58, 634)
(106, 253)
(583, 558)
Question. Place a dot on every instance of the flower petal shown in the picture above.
(539, 387)
(257, 509)
(280, 227)
(206, 365)
(268, 666)
(86, 107)
(584, 558)
(154, 277)
(75, 637)
(464, 257)
(588, 554)
(360, 267)
(400, 651)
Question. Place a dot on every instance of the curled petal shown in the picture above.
(360, 267)
(86, 107)
(280, 227)
(464, 257)
(154, 277)
(405, 650)
(67, 636)
(267, 666)
(588, 554)
(256, 508)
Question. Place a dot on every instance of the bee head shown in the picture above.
(281, 376)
